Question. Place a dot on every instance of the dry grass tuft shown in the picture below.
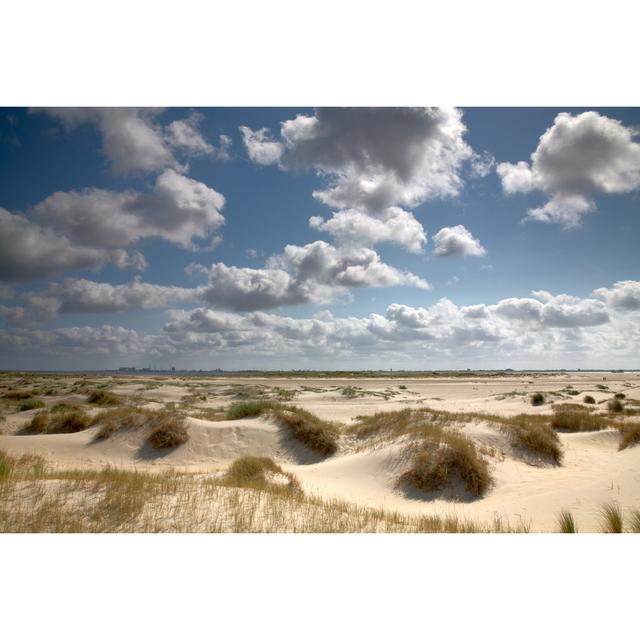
(252, 472)
(318, 435)
(634, 521)
(445, 457)
(45, 422)
(248, 409)
(566, 523)
(103, 398)
(577, 418)
(611, 518)
(31, 403)
(629, 434)
(535, 435)
(169, 431)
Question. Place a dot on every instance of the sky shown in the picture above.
(328, 238)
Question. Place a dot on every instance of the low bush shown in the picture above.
(615, 406)
(537, 399)
(17, 395)
(121, 419)
(620, 396)
(589, 400)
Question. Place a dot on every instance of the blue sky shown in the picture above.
(103, 211)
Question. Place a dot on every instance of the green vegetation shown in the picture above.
(248, 409)
(611, 518)
(566, 523)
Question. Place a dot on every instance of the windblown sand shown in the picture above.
(593, 470)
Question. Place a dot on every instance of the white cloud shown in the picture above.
(457, 241)
(179, 210)
(29, 251)
(576, 158)
(623, 296)
(358, 228)
(262, 149)
(314, 273)
(134, 140)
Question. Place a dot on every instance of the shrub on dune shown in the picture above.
(537, 399)
(629, 434)
(578, 419)
(615, 406)
(589, 400)
(31, 403)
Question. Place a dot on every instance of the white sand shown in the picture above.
(593, 470)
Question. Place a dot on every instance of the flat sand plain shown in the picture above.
(524, 489)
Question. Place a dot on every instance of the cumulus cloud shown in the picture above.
(179, 209)
(623, 295)
(457, 241)
(314, 273)
(544, 328)
(134, 140)
(262, 149)
(372, 158)
(29, 251)
(576, 158)
(357, 228)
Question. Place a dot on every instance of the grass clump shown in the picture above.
(535, 435)
(318, 435)
(620, 396)
(602, 387)
(615, 406)
(537, 399)
(589, 400)
(248, 409)
(611, 518)
(566, 523)
(31, 403)
(169, 431)
(634, 525)
(444, 457)
(576, 419)
(17, 395)
(45, 422)
(121, 419)
(103, 398)
(630, 434)
(251, 472)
